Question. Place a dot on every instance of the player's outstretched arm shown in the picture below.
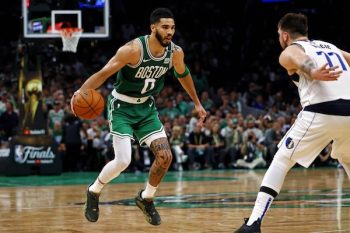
(128, 53)
(185, 78)
(293, 58)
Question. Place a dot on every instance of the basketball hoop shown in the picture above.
(70, 38)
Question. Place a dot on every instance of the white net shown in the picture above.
(70, 38)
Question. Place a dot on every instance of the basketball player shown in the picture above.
(141, 65)
(323, 83)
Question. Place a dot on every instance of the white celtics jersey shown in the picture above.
(315, 91)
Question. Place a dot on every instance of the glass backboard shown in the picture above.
(44, 18)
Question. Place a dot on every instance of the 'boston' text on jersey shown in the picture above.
(151, 71)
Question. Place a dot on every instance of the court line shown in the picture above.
(344, 230)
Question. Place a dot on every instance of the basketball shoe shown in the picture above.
(254, 228)
(148, 209)
(91, 206)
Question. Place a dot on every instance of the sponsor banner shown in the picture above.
(4, 153)
(4, 156)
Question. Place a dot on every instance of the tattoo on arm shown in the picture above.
(307, 66)
(130, 43)
(177, 48)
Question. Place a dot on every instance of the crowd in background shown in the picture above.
(250, 100)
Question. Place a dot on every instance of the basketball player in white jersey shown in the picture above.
(324, 89)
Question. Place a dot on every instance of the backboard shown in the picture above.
(44, 18)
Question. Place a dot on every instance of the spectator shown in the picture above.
(94, 146)
(272, 137)
(177, 145)
(8, 122)
(251, 127)
(206, 100)
(198, 149)
(3, 101)
(324, 158)
(55, 121)
(192, 123)
(170, 111)
(235, 101)
(181, 104)
(258, 102)
(71, 142)
(217, 156)
(232, 134)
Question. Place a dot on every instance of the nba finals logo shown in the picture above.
(33, 155)
(19, 154)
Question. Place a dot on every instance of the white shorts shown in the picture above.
(311, 133)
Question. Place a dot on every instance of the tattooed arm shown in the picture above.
(293, 58)
(127, 54)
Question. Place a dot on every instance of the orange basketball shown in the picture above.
(87, 104)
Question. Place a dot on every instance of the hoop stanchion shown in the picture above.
(70, 38)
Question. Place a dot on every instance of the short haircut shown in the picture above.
(294, 24)
(159, 13)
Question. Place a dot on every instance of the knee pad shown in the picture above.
(277, 172)
(283, 163)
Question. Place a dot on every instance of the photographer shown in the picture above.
(253, 153)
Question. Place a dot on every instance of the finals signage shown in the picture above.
(34, 155)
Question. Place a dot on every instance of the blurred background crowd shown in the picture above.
(233, 57)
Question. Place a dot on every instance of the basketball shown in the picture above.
(87, 104)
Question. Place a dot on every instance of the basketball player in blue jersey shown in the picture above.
(140, 66)
(324, 82)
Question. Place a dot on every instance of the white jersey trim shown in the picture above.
(150, 54)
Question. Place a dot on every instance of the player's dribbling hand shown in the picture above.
(201, 113)
(72, 102)
(325, 73)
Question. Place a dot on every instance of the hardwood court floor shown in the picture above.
(312, 200)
